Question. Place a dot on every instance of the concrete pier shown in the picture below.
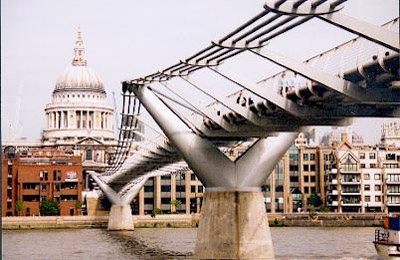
(233, 226)
(120, 218)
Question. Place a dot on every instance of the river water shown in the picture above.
(300, 243)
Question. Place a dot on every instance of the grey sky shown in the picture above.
(127, 39)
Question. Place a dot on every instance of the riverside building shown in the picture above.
(347, 177)
(39, 175)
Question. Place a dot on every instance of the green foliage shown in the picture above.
(325, 210)
(78, 205)
(20, 206)
(49, 208)
(155, 212)
(176, 203)
(314, 200)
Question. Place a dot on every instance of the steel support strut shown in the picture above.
(232, 224)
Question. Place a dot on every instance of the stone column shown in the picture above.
(81, 119)
(62, 119)
(57, 125)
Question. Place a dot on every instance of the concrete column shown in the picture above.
(120, 218)
(141, 202)
(157, 192)
(173, 191)
(273, 197)
(233, 226)
(187, 192)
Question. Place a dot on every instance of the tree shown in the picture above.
(49, 208)
(155, 212)
(176, 203)
(314, 200)
(20, 206)
(78, 206)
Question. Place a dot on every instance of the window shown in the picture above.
(372, 165)
(312, 167)
(180, 176)
(57, 175)
(279, 188)
(372, 156)
(43, 187)
(305, 168)
(89, 155)
(166, 188)
(362, 156)
(390, 156)
(312, 178)
(166, 177)
(192, 177)
(148, 200)
(305, 189)
(148, 189)
(378, 198)
(312, 189)
(180, 188)
(349, 163)
(305, 178)
(367, 187)
(193, 189)
(165, 200)
(367, 199)
(305, 157)
(377, 176)
(200, 188)
(366, 176)
(362, 165)
(378, 187)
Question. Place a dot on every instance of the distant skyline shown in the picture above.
(128, 39)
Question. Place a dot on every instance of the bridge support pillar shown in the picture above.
(120, 218)
(233, 226)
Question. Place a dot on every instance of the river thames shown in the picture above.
(290, 243)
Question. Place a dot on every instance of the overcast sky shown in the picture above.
(128, 39)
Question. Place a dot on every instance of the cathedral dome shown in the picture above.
(79, 77)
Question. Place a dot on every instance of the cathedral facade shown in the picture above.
(79, 119)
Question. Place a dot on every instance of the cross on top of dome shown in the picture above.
(79, 50)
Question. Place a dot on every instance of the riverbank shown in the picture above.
(186, 221)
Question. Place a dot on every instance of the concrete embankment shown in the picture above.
(184, 221)
(326, 219)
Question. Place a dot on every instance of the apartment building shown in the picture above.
(38, 175)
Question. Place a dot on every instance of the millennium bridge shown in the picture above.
(359, 78)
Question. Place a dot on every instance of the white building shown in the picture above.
(391, 133)
(79, 119)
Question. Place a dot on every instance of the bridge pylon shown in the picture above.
(121, 213)
(233, 221)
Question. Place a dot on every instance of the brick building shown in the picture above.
(40, 175)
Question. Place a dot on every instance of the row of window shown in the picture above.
(78, 95)
(371, 156)
(163, 201)
(309, 157)
(178, 188)
(368, 198)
